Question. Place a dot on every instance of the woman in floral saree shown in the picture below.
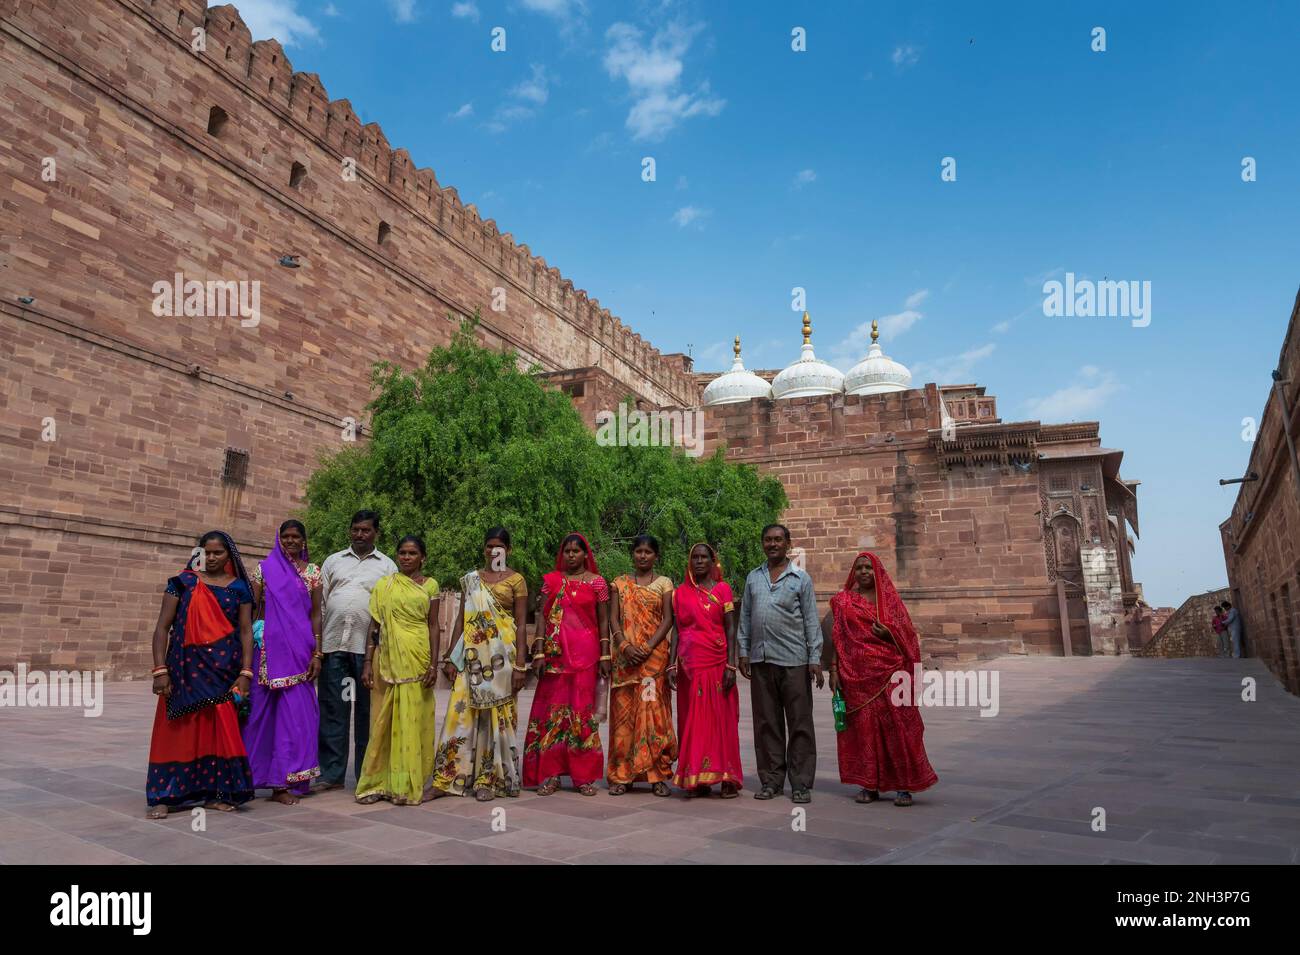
(284, 720)
(570, 649)
(401, 676)
(642, 745)
(881, 745)
(476, 749)
(201, 643)
(703, 672)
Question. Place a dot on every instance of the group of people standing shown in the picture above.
(1226, 624)
(301, 651)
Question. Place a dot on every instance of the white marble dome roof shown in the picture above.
(877, 374)
(809, 375)
(736, 385)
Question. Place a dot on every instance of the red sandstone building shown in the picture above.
(134, 158)
(1259, 538)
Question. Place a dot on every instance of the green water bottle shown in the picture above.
(840, 711)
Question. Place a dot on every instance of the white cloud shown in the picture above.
(905, 55)
(1002, 327)
(331, 11)
(682, 182)
(804, 177)
(916, 298)
(691, 215)
(852, 348)
(465, 11)
(534, 89)
(653, 72)
(403, 10)
(278, 19)
(569, 14)
(527, 95)
(951, 369)
(1077, 401)
(464, 112)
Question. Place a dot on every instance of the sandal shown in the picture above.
(729, 791)
(587, 789)
(219, 806)
(157, 812)
(370, 799)
(904, 799)
(867, 795)
(548, 787)
(661, 789)
(484, 794)
(617, 789)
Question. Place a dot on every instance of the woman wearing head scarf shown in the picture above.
(569, 650)
(399, 671)
(641, 741)
(202, 644)
(703, 672)
(281, 732)
(477, 750)
(872, 638)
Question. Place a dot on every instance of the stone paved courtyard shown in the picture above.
(1186, 771)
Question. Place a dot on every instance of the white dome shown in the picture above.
(807, 376)
(876, 374)
(736, 385)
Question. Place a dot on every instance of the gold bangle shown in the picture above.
(611, 659)
(518, 669)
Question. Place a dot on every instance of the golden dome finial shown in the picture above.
(736, 347)
(875, 331)
(807, 329)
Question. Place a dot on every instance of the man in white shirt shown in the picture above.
(346, 581)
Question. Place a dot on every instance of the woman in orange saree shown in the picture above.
(703, 672)
(873, 638)
(642, 745)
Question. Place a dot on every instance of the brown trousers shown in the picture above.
(784, 740)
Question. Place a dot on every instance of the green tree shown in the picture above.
(469, 441)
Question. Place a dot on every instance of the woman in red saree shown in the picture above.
(569, 651)
(703, 672)
(872, 638)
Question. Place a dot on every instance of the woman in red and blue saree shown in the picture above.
(873, 638)
(281, 732)
(203, 636)
(571, 648)
(642, 745)
(703, 672)
(476, 750)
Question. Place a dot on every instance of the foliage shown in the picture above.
(469, 441)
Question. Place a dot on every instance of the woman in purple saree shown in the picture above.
(284, 720)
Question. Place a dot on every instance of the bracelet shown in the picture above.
(672, 666)
(159, 671)
(247, 673)
(730, 667)
(518, 669)
(607, 658)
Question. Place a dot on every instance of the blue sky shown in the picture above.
(821, 169)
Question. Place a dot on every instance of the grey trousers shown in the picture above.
(785, 743)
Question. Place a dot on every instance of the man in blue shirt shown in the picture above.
(780, 653)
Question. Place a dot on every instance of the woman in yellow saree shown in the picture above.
(642, 745)
(401, 677)
(476, 749)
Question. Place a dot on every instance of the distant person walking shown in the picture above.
(346, 581)
(1220, 630)
(1232, 620)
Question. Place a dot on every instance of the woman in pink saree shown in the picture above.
(703, 672)
(570, 651)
